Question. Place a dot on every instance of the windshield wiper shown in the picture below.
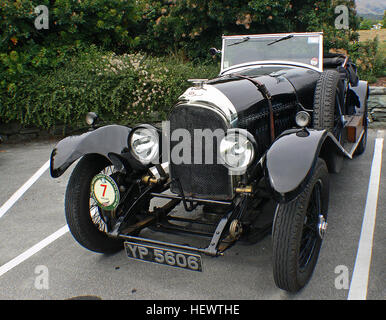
(281, 39)
(238, 42)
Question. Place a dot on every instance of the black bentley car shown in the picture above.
(251, 148)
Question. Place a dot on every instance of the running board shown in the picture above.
(350, 148)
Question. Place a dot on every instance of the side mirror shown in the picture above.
(214, 51)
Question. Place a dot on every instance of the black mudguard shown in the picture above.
(361, 91)
(290, 161)
(104, 141)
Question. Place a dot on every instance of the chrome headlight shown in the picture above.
(303, 119)
(237, 149)
(91, 118)
(144, 143)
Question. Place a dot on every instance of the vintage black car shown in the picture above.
(251, 148)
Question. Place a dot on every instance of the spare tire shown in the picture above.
(326, 115)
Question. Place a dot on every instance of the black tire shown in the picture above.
(293, 265)
(325, 112)
(77, 207)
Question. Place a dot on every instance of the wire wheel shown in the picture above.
(84, 217)
(298, 229)
(97, 213)
(310, 237)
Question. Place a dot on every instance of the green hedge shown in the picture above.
(108, 23)
(370, 59)
(73, 25)
(126, 88)
(55, 76)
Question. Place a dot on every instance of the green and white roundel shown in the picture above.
(105, 192)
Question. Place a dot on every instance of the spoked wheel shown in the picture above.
(314, 227)
(87, 221)
(298, 230)
(98, 215)
(337, 130)
(328, 112)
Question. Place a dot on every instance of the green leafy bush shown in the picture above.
(371, 62)
(55, 76)
(128, 88)
(191, 27)
(366, 24)
(73, 25)
(107, 23)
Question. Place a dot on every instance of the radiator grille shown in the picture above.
(199, 180)
(257, 122)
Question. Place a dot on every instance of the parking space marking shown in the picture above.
(16, 196)
(31, 251)
(360, 277)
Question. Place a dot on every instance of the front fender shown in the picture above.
(104, 140)
(290, 161)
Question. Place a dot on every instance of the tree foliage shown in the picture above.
(43, 82)
(366, 24)
(193, 26)
(101, 22)
(73, 24)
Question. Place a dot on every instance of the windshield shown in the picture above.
(301, 49)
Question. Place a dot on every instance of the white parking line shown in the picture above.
(31, 251)
(360, 277)
(16, 196)
(42, 244)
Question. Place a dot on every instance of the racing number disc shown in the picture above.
(105, 192)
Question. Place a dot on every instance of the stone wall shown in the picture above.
(377, 106)
(15, 133)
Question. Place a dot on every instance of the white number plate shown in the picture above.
(163, 256)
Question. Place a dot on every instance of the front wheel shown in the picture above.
(298, 230)
(87, 222)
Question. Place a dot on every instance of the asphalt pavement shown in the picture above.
(39, 259)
